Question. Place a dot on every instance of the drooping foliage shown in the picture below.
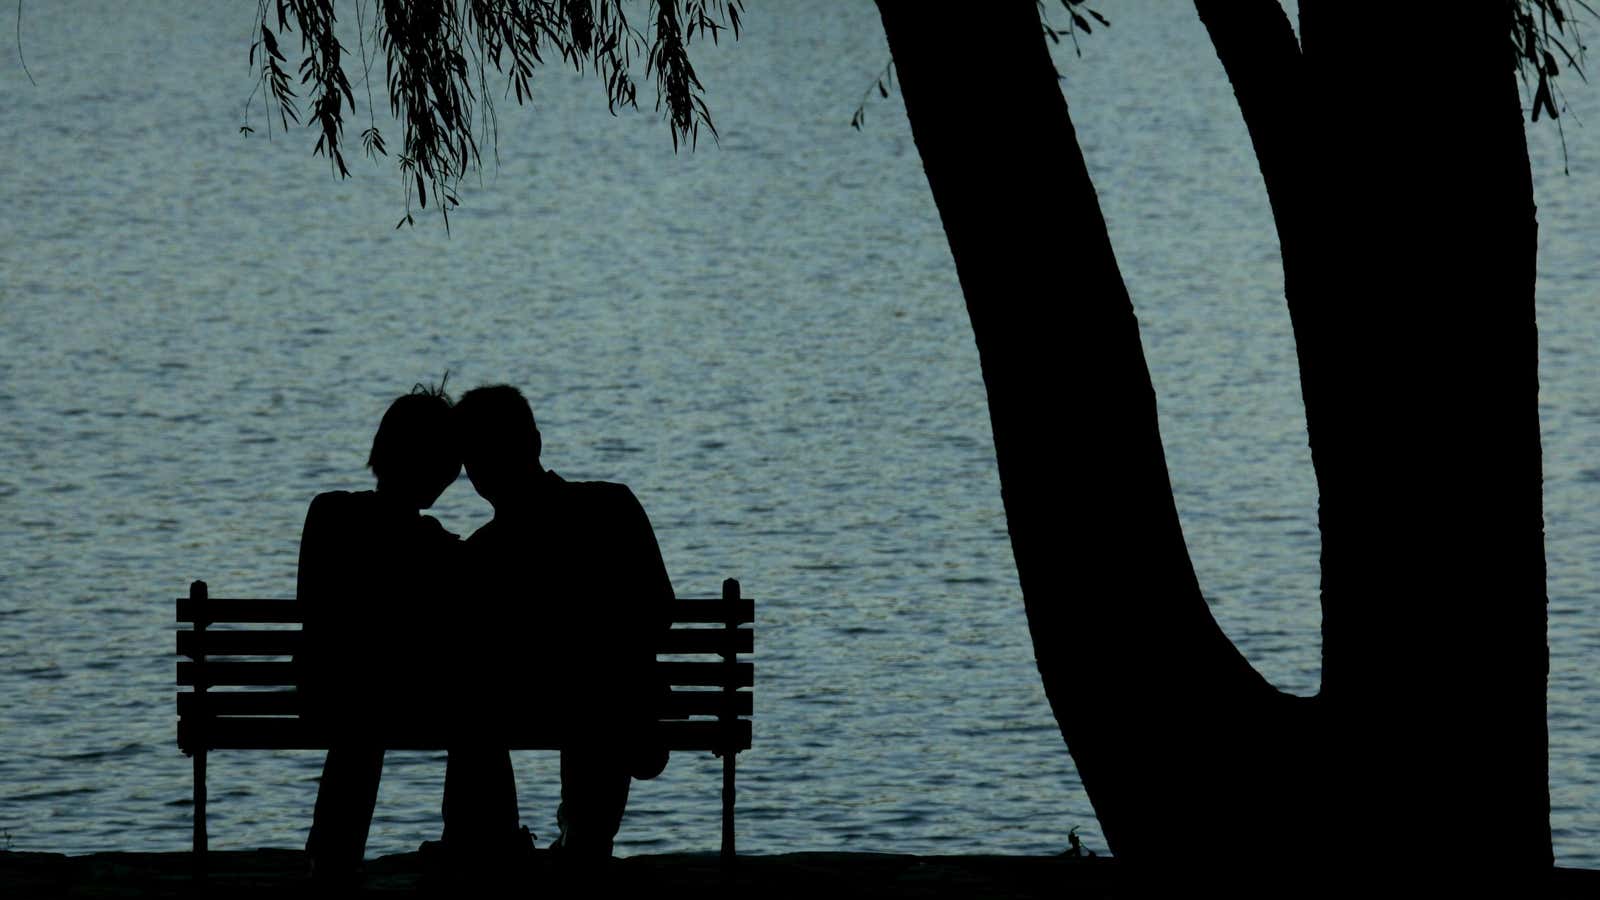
(1544, 40)
(1541, 29)
(444, 59)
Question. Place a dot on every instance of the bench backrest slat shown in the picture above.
(295, 734)
(224, 609)
(283, 674)
(214, 642)
(679, 704)
(714, 610)
(707, 640)
(236, 673)
(708, 674)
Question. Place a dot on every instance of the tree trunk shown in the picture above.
(1434, 651)
(1408, 255)
(1408, 239)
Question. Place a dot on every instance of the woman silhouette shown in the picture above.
(371, 575)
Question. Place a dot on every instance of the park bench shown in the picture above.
(242, 696)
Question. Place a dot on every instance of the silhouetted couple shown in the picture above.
(548, 613)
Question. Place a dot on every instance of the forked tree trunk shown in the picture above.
(1419, 374)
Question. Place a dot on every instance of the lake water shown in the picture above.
(764, 338)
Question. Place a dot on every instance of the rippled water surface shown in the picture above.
(765, 338)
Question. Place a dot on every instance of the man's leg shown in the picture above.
(594, 791)
(343, 814)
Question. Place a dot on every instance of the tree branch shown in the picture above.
(1258, 50)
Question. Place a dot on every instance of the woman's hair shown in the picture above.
(415, 434)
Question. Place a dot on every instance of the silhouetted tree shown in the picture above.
(1397, 170)
(1405, 218)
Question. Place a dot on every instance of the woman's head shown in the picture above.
(414, 453)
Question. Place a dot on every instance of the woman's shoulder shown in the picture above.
(353, 513)
(346, 510)
(341, 506)
(341, 498)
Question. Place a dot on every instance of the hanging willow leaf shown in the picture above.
(439, 58)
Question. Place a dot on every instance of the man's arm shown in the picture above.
(649, 592)
(648, 572)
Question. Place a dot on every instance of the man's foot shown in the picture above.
(479, 861)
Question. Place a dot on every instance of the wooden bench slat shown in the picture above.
(295, 734)
(223, 609)
(231, 672)
(238, 703)
(707, 703)
(240, 643)
(681, 704)
(278, 610)
(283, 674)
(716, 609)
(707, 640)
(216, 642)
(708, 674)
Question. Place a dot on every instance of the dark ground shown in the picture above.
(815, 876)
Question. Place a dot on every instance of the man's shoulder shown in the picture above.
(601, 500)
(614, 491)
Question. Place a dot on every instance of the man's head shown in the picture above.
(499, 441)
(414, 453)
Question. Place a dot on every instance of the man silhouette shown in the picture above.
(573, 592)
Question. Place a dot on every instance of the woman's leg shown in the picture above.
(343, 814)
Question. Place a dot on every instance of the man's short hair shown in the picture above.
(414, 436)
(497, 419)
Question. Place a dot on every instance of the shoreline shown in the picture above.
(271, 872)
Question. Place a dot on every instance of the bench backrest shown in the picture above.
(241, 677)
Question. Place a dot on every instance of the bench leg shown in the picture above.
(200, 811)
(727, 807)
